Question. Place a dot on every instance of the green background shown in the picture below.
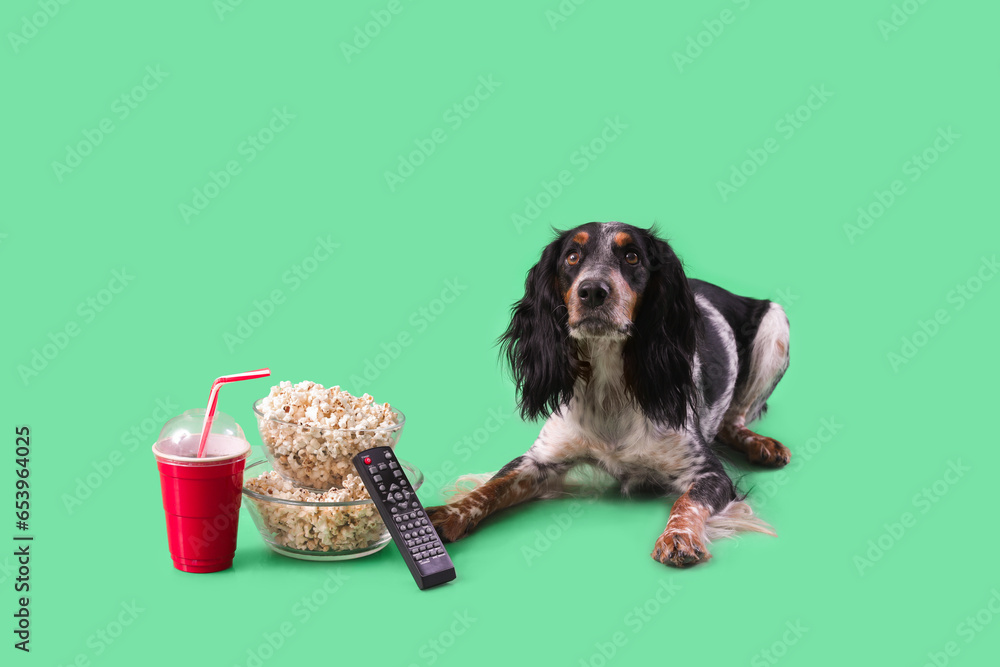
(897, 428)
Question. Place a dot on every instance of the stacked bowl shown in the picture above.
(305, 498)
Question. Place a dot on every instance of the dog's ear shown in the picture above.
(659, 355)
(537, 344)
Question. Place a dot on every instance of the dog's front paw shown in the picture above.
(450, 522)
(679, 548)
(768, 452)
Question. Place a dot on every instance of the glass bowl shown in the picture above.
(318, 459)
(319, 530)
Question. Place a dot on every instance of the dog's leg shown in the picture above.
(768, 363)
(758, 448)
(683, 541)
(521, 479)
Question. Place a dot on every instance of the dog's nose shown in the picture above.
(593, 292)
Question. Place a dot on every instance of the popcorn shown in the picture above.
(316, 528)
(300, 426)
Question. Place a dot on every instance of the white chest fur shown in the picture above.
(602, 426)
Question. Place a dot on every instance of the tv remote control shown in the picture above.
(402, 512)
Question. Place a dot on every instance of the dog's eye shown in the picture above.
(573, 259)
(631, 258)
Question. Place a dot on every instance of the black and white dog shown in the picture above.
(639, 370)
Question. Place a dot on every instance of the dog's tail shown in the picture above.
(736, 517)
(581, 481)
(464, 485)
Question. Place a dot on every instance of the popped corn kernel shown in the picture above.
(311, 433)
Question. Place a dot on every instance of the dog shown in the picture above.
(639, 371)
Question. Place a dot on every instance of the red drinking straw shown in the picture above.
(213, 399)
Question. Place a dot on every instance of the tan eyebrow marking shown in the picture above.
(622, 239)
(581, 238)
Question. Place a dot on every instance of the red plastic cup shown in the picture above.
(201, 496)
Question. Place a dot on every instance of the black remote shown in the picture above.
(402, 512)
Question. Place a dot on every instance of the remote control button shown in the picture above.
(394, 465)
(423, 522)
(377, 478)
(368, 460)
(394, 510)
(372, 469)
(407, 495)
(388, 455)
(381, 487)
(398, 519)
(399, 496)
(381, 466)
(403, 505)
(409, 526)
(403, 481)
(394, 488)
(397, 473)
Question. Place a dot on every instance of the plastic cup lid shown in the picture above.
(178, 441)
